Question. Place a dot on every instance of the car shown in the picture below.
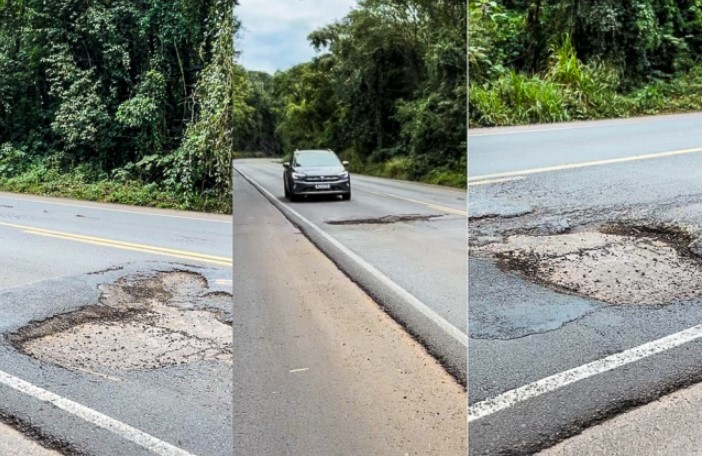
(316, 172)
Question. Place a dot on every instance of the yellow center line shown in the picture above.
(182, 254)
(436, 207)
(611, 161)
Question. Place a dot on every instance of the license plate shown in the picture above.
(322, 186)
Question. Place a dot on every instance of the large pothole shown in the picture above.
(618, 264)
(145, 322)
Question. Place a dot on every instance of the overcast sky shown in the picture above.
(274, 32)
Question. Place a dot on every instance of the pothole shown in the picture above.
(384, 219)
(618, 264)
(146, 322)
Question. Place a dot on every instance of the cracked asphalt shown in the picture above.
(62, 260)
(526, 325)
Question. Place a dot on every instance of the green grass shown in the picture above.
(572, 90)
(50, 182)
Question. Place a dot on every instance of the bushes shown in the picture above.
(571, 90)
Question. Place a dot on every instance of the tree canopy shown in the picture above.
(122, 89)
(387, 90)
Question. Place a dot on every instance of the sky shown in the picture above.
(274, 32)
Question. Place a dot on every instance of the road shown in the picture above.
(584, 279)
(116, 328)
(321, 368)
(423, 259)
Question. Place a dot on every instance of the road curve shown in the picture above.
(321, 369)
(415, 270)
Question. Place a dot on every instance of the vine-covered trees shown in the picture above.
(388, 90)
(122, 89)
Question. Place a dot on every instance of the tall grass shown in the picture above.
(572, 90)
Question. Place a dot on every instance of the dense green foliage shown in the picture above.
(119, 100)
(556, 60)
(387, 91)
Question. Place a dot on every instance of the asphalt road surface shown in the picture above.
(116, 329)
(584, 279)
(424, 257)
(321, 369)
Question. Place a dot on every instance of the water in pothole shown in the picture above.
(630, 268)
(147, 322)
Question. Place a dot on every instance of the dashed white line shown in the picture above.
(304, 369)
(125, 431)
(557, 381)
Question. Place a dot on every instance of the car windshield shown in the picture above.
(317, 159)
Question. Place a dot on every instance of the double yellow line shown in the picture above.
(173, 253)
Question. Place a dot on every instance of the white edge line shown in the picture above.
(83, 206)
(610, 161)
(416, 303)
(554, 382)
(130, 433)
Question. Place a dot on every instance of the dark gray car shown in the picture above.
(316, 172)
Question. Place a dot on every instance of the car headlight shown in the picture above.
(298, 176)
(344, 175)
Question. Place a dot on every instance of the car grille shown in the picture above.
(322, 178)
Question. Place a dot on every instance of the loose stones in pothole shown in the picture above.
(616, 266)
(140, 323)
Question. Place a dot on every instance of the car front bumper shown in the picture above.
(338, 187)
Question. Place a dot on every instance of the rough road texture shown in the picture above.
(613, 268)
(140, 323)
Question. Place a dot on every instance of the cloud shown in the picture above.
(274, 32)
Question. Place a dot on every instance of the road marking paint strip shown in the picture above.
(299, 370)
(557, 381)
(85, 206)
(496, 181)
(611, 161)
(134, 249)
(182, 254)
(94, 417)
(425, 310)
(423, 203)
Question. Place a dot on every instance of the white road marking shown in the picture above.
(299, 370)
(425, 310)
(554, 382)
(496, 181)
(611, 161)
(125, 211)
(123, 430)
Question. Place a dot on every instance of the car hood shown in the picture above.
(320, 171)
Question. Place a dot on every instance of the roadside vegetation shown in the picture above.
(534, 61)
(121, 101)
(387, 91)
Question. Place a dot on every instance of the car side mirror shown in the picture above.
(286, 165)
(345, 163)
